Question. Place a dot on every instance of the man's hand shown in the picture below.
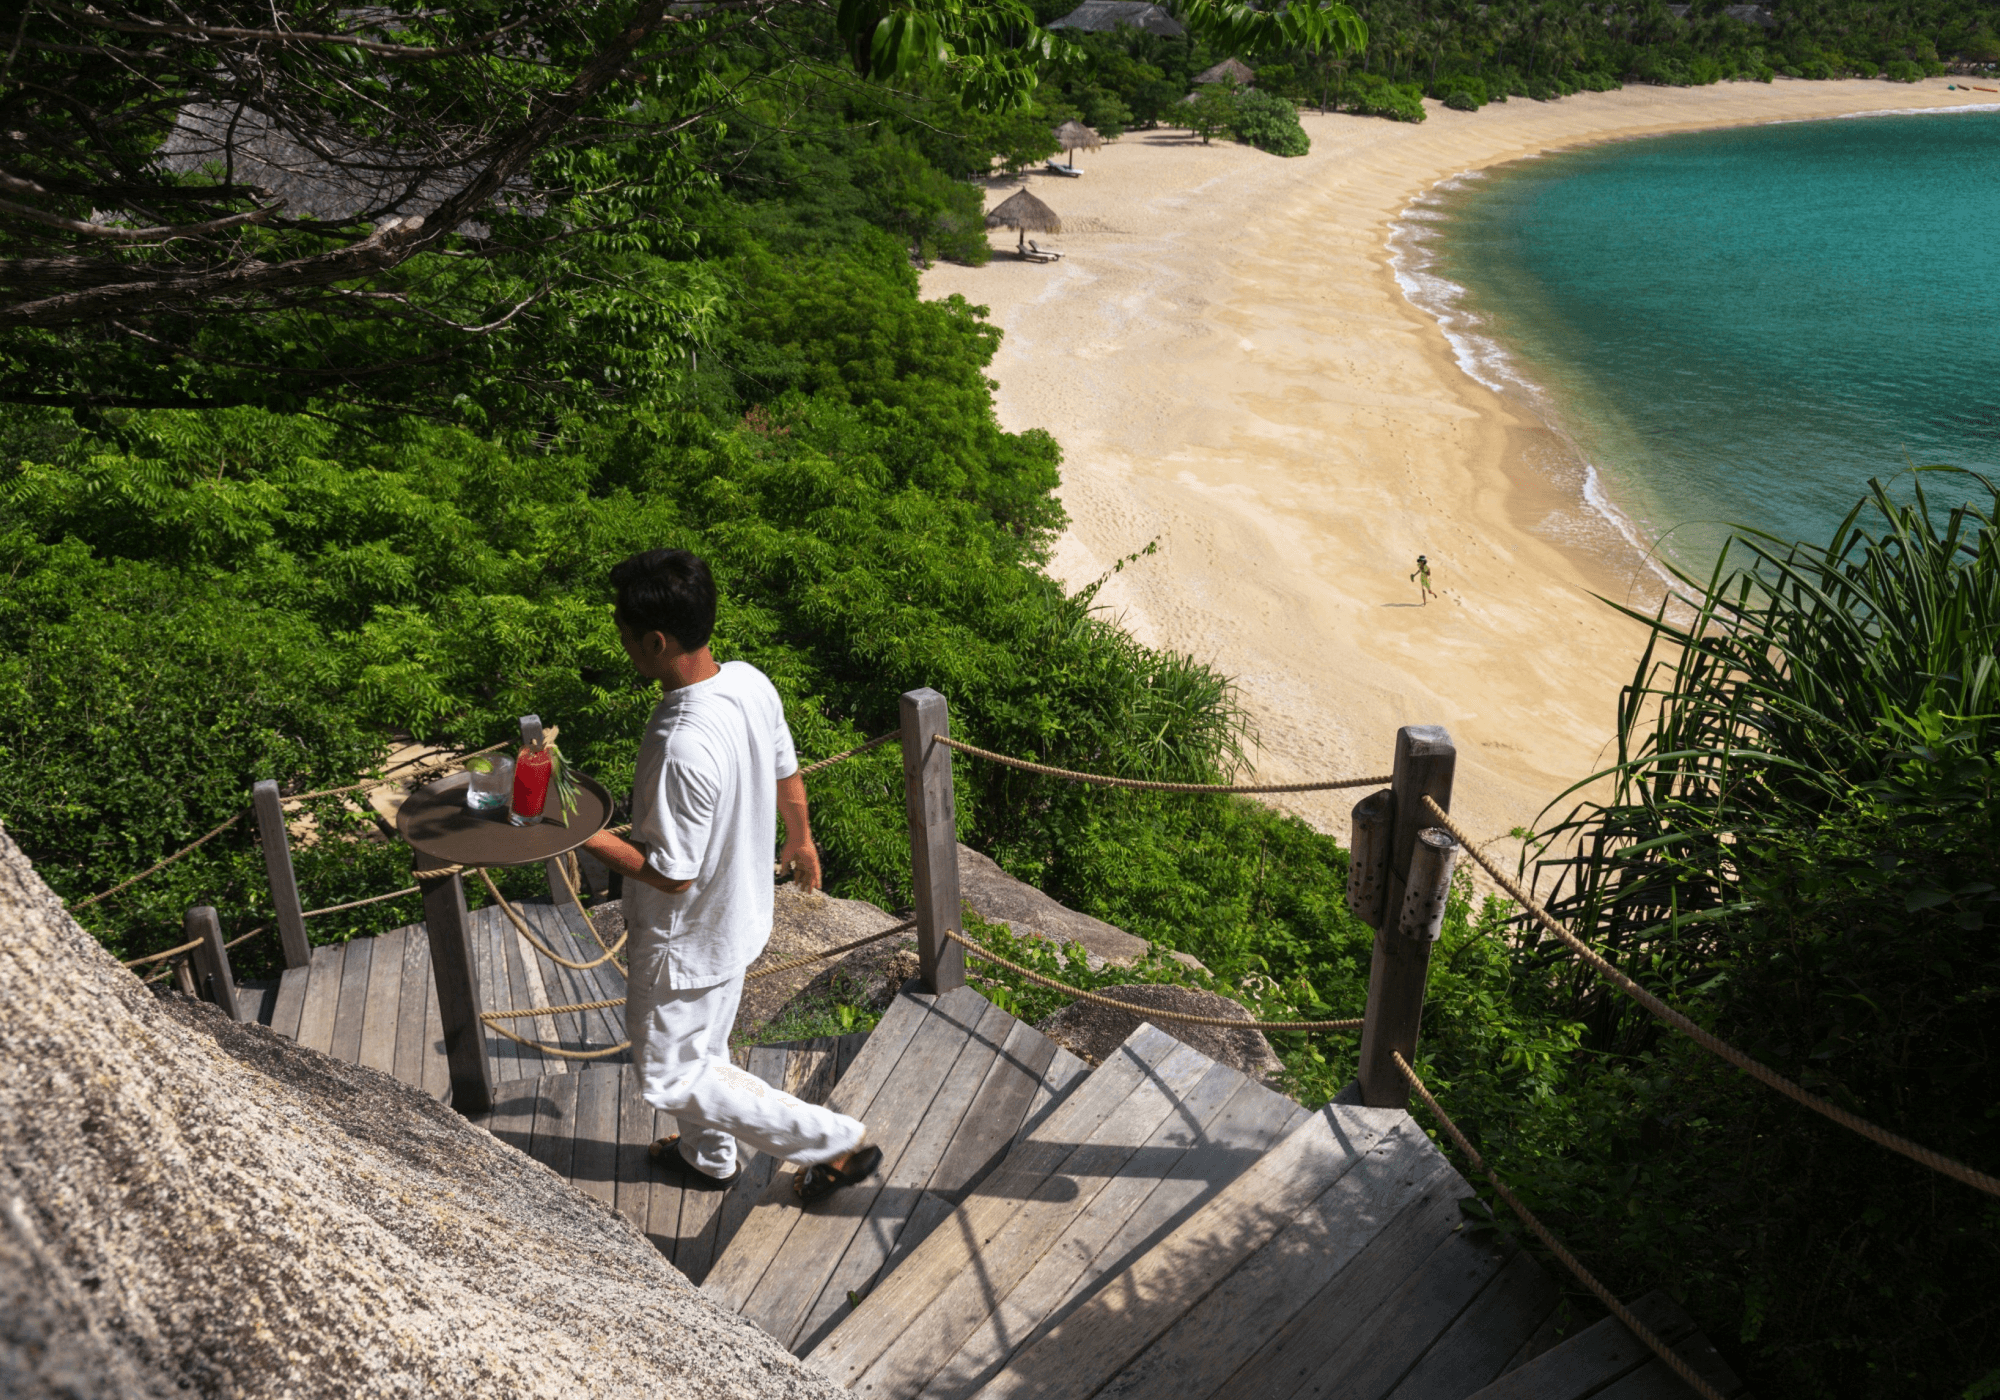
(629, 861)
(803, 862)
(799, 855)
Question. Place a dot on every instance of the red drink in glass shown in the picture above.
(531, 787)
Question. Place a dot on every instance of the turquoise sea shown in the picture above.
(1737, 326)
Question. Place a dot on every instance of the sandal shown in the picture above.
(667, 1153)
(822, 1179)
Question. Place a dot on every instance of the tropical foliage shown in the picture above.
(725, 348)
(475, 213)
(1799, 850)
(1468, 55)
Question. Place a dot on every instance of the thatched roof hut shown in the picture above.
(1075, 136)
(1023, 212)
(1230, 70)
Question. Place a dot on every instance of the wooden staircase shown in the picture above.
(1606, 1362)
(373, 1001)
(947, 1085)
(1159, 1226)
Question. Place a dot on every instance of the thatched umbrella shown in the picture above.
(1022, 211)
(1230, 70)
(1075, 136)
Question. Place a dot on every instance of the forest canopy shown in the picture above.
(270, 515)
(1466, 55)
(478, 211)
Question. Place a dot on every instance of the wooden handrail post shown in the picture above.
(1370, 832)
(271, 835)
(1416, 882)
(927, 798)
(558, 887)
(212, 977)
(449, 928)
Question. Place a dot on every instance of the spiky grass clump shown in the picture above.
(1799, 848)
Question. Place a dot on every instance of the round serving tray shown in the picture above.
(437, 823)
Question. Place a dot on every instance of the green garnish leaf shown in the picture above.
(568, 792)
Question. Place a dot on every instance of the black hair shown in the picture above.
(670, 591)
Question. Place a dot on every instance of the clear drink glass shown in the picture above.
(491, 785)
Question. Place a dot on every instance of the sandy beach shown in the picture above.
(1232, 369)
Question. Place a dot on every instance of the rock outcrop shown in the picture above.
(999, 898)
(192, 1206)
(1094, 1031)
(804, 923)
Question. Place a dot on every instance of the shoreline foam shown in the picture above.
(1486, 358)
(1232, 367)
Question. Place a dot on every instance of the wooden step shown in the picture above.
(593, 1129)
(372, 1001)
(1336, 1265)
(945, 1085)
(1606, 1362)
(1139, 1147)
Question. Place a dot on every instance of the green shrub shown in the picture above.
(1210, 111)
(1902, 70)
(1281, 79)
(1270, 123)
(1372, 95)
(1468, 89)
(1106, 115)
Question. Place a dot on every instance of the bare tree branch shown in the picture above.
(138, 235)
(138, 25)
(200, 200)
(384, 248)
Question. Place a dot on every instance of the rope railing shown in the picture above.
(246, 937)
(204, 839)
(1554, 1246)
(1145, 785)
(491, 1019)
(875, 743)
(811, 768)
(357, 903)
(1715, 1045)
(1150, 1013)
(521, 927)
(420, 775)
(157, 866)
(564, 863)
(517, 1013)
(155, 957)
(823, 955)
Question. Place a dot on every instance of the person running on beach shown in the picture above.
(1422, 579)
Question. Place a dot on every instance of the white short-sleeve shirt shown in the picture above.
(705, 804)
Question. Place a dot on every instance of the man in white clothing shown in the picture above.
(715, 769)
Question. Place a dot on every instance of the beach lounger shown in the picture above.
(1056, 167)
(1035, 254)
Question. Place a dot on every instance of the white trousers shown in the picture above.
(680, 1045)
